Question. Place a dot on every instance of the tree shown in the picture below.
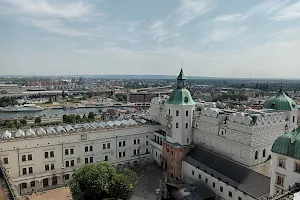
(37, 120)
(91, 116)
(100, 181)
(65, 118)
(77, 118)
(23, 121)
(10, 124)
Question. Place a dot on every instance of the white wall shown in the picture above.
(290, 177)
(188, 169)
(182, 135)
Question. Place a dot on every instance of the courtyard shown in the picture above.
(148, 181)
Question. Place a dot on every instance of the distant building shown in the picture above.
(143, 97)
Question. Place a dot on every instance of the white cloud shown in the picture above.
(266, 7)
(191, 9)
(288, 13)
(159, 31)
(223, 34)
(231, 17)
(45, 8)
(55, 26)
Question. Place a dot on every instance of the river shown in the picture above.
(52, 112)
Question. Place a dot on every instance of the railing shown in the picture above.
(11, 187)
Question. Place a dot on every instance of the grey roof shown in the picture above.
(234, 174)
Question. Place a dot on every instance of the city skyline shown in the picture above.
(213, 38)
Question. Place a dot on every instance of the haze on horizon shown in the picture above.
(214, 38)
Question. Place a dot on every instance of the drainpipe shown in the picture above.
(116, 147)
(18, 151)
(62, 154)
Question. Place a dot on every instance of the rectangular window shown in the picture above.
(23, 158)
(5, 160)
(138, 141)
(52, 166)
(134, 141)
(177, 112)
(186, 113)
(120, 154)
(281, 162)
(213, 185)
(147, 142)
(46, 155)
(91, 159)
(293, 119)
(193, 173)
(32, 184)
(279, 180)
(24, 185)
(104, 146)
(239, 198)
(186, 125)
(172, 152)
(51, 154)
(72, 151)
(24, 170)
(188, 140)
(72, 163)
(221, 189)
(297, 167)
(138, 151)
(199, 176)
(134, 152)
(206, 180)
(66, 151)
(67, 163)
(176, 125)
(47, 167)
(106, 158)
(29, 157)
(86, 160)
(123, 153)
(123, 143)
(30, 170)
(86, 149)
(91, 148)
(169, 111)
(108, 145)
(147, 151)
(230, 194)
(120, 144)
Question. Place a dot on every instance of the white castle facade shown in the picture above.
(227, 149)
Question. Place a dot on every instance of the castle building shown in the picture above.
(240, 154)
(285, 161)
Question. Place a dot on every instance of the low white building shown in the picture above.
(285, 171)
(42, 161)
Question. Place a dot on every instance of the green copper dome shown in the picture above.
(280, 102)
(181, 97)
(283, 145)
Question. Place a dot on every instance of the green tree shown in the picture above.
(65, 118)
(100, 181)
(10, 124)
(37, 120)
(77, 118)
(91, 116)
(23, 121)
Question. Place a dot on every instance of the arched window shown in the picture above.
(256, 155)
(264, 153)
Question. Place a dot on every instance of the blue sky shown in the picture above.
(232, 38)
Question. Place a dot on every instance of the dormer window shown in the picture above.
(273, 105)
(186, 99)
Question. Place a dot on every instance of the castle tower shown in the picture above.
(180, 108)
(282, 102)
